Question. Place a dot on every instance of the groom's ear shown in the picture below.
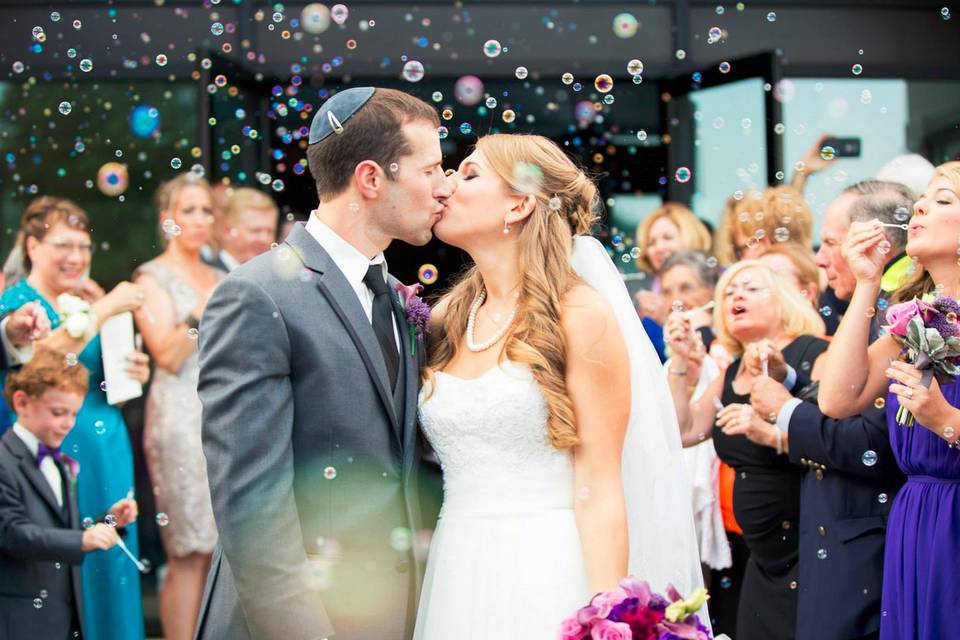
(369, 178)
(523, 206)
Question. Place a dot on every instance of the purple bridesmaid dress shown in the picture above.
(921, 578)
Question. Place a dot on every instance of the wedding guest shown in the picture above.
(177, 285)
(847, 463)
(248, 228)
(57, 247)
(888, 202)
(671, 228)
(690, 277)
(42, 543)
(795, 263)
(755, 308)
(762, 218)
(923, 532)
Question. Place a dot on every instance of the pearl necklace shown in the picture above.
(472, 321)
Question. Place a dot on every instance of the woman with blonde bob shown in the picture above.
(532, 401)
(756, 311)
(670, 228)
(923, 530)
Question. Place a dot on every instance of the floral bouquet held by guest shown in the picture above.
(633, 612)
(930, 335)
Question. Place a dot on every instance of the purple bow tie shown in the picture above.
(43, 451)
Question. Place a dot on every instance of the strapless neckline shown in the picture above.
(487, 372)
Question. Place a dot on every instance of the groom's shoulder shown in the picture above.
(278, 264)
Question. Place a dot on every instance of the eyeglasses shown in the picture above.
(750, 288)
(67, 248)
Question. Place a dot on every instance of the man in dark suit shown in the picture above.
(851, 473)
(41, 542)
(309, 381)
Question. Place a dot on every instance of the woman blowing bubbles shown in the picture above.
(920, 583)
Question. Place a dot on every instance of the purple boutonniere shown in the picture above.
(73, 468)
(418, 312)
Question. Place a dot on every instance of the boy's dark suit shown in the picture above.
(40, 550)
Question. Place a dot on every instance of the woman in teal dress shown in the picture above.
(57, 249)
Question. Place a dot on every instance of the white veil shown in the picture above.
(663, 541)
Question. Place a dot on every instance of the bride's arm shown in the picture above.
(598, 382)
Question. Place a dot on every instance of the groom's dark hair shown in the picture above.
(374, 132)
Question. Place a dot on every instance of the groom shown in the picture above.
(309, 394)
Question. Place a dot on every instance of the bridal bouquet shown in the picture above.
(634, 612)
(929, 332)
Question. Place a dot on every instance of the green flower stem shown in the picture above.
(904, 417)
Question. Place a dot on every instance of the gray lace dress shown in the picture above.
(175, 460)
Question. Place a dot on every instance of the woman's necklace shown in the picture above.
(472, 321)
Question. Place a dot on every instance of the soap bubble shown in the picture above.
(625, 25)
(339, 13)
(315, 18)
(492, 48)
(603, 83)
(413, 71)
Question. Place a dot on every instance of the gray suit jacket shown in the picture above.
(310, 456)
(36, 535)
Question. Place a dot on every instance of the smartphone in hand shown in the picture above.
(844, 147)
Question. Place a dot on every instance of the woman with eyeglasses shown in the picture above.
(177, 285)
(756, 310)
(56, 246)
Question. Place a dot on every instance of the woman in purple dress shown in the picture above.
(922, 559)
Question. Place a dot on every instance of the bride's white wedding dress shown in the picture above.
(505, 560)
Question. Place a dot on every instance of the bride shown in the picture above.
(546, 405)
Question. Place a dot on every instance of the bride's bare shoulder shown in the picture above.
(585, 315)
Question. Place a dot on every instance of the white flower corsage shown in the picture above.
(77, 316)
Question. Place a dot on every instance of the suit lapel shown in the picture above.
(411, 375)
(28, 465)
(69, 497)
(344, 302)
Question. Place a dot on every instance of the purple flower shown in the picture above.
(607, 600)
(418, 312)
(72, 466)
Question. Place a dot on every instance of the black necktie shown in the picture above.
(383, 320)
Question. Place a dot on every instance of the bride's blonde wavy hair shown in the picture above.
(531, 165)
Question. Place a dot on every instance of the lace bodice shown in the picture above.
(490, 434)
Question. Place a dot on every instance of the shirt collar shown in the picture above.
(348, 259)
(33, 444)
(228, 260)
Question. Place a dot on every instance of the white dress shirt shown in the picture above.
(228, 260)
(352, 264)
(48, 467)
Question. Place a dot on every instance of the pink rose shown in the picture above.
(899, 316)
(606, 601)
(607, 630)
(570, 629)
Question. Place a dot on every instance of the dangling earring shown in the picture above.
(506, 227)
